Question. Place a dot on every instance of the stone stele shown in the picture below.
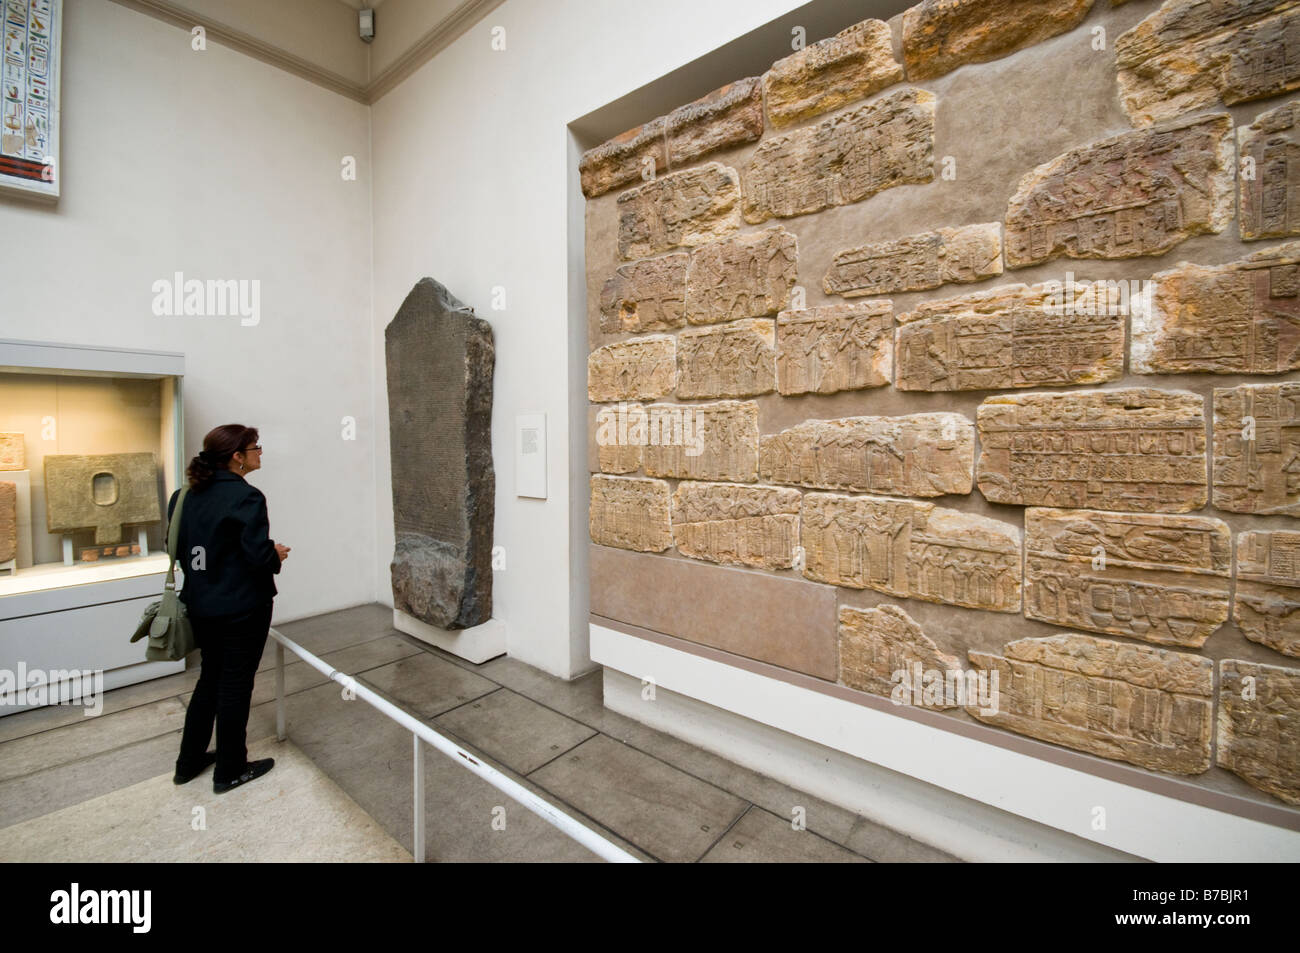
(8, 521)
(744, 277)
(645, 295)
(831, 73)
(917, 262)
(1161, 579)
(915, 455)
(13, 455)
(679, 210)
(703, 441)
(911, 550)
(835, 347)
(1240, 318)
(440, 361)
(1270, 200)
(1127, 449)
(1259, 735)
(845, 159)
(876, 643)
(1267, 607)
(1190, 54)
(103, 492)
(636, 369)
(1012, 336)
(729, 360)
(1147, 706)
(1257, 448)
(1138, 193)
(631, 513)
(941, 35)
(735, 524)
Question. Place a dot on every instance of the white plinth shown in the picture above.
(477, 645)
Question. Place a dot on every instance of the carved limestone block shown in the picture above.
(1134, 703)
(1013, 336)
(728, 360)
(620, 434)
(8, 521)
(645, 295)
(678, 210)
(1161, 579)
(850, 157)
(740, 525)
(915, 455)
(728, 116)
(1267, 607)
(703, 441)
(911, 550)
(1138, 193)
(101, 491)
(831, 73)
(623, 159)
(639, 368)
(1257, 448)
(744, 277)
(1189, 54)
(917, 262)
(1240, 318)
(1128, 449)
(1270, 195)
(631, 513)
(876, 643)
(941, 35)
(834, 348)
(1259, 726)
(13, 454)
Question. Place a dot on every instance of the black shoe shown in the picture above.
(209, 759)
(252, 770)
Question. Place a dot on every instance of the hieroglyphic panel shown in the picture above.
(1190, 54)
(1162, 579)
(1013, 336)
(620, 435)
(1128, 449)
(831, 73)
(887, 142)
(1267, 606)
(13, 454)
(1269, 187)
(1239, 318)
(623, 159)
(744, 277)
(875, 643)
(638, 368)
(912, 550)
(703, 441)
(1257, 448)
(741, 525)
(728, 116)
(1138, 193)
(915, 455)
(678, 210)
(1147, 706)
(631, 513)
(101, 491)
(1259, 726)
(729, 360)
(835, 347)
(645, 296)
(917, 262)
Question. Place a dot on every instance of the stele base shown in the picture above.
(477, 644)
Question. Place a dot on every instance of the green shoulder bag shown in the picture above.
(165, 621)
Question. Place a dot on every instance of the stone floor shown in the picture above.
(658, 797)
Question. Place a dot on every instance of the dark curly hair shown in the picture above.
(219, 446)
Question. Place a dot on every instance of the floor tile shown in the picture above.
(514, 730)
(118, 699)
(763, 838)
(426, 685)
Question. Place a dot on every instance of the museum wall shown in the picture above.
(838, 267)
(471, 187)
(218, 166)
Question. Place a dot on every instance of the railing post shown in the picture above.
(417, 840)
(279, 690)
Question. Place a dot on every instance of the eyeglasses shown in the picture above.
(256, 446)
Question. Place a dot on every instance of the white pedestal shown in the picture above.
(477, 645)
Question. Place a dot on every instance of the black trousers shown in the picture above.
(231, 648)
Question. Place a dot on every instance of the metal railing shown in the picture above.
(423, 733)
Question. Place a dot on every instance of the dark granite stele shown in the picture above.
(440, 360)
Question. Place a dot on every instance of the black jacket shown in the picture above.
(235, 572)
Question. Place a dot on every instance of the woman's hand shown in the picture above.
(282, 552)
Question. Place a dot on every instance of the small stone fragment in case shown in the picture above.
(89, 555)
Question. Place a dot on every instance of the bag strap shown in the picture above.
(173, 534)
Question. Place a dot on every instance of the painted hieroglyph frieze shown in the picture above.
(1267, 606)
(737, 524)
(834, 348)
(631, 513)
(1257, 448)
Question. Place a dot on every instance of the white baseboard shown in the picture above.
(477, 644)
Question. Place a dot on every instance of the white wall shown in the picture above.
(471, 176)
(219, 166)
